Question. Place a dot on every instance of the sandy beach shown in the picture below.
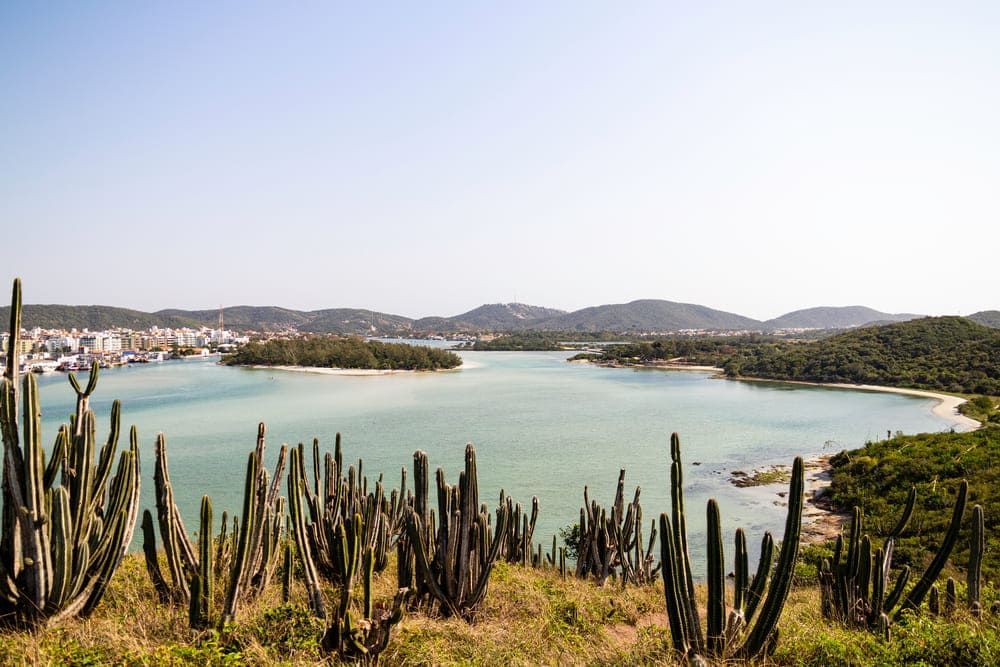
(946, 407)
(318, 370)
(653, 367)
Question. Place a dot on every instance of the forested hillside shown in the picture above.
(834, 318)
(97, 318)
(944, 353)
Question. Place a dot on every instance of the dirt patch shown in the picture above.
(624, 635)
(821, 519)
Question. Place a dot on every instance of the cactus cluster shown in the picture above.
(856, 591)
(748, 628)
(244, 560)
(361, 639)
(67, 522)
(449, 565)
(518, 544)
(338, 502)
(612, 543)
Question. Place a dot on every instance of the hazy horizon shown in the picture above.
(425, 160)
(417, 316)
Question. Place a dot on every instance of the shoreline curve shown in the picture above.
(945, 408)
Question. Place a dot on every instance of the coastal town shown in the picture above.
(49, 350)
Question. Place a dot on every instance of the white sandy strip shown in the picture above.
(318, 370)
(687, 367)
(946, 407)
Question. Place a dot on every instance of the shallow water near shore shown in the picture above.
(540, 425)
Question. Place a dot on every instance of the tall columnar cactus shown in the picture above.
(341, 494)
(916, 595)
(453, 563)
(340, 498)
(362, 639)
(975, 570)
(203, 582)
(857, 592)
(748, 629)
(519, 545)
(60, 543)
(244, 561)
(611, 540)
(300, 532)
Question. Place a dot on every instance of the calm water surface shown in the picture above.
(541, 427)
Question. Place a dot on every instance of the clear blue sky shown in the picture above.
(423, 158)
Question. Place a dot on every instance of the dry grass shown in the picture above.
(531, 617)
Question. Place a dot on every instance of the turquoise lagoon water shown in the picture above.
(541, 426)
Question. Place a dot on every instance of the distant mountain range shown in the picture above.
(490, 317)
(834, 318)
(990, 318)
(645, 315)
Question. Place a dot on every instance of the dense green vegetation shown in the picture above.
(834, 318)
(648, 315)
(489, 317)
(878, 477)
(943, 353)
(96, 318)
(334, 352)
(535, 341)
(700, 350)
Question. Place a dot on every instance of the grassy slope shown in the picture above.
(878, 477)
(531, 617)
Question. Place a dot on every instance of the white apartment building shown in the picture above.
(91, 343)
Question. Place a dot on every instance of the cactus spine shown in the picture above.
(59, 543)
(750, 629)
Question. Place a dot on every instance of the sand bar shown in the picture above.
(319, 370)
(946, 407)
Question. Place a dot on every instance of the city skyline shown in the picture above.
(425, 160)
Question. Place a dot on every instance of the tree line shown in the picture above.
(343, 352)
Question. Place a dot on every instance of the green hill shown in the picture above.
(647, 315)
(834, 318)
(989, 318)
(260, 318)
(490, 317)
(96, 318)
(945, 353)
